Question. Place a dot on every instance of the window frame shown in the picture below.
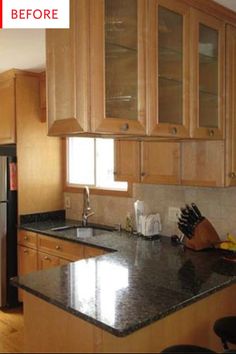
(70, 188)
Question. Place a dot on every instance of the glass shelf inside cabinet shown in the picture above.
(117, 50)
(169, 54)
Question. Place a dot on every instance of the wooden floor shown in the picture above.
(11, 331)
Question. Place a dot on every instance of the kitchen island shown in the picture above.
(143, 296)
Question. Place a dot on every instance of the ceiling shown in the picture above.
(25, 48)
(228, 3)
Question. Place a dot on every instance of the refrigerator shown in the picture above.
(8, 225)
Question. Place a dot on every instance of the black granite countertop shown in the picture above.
(122, 291)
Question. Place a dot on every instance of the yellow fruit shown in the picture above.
(224, 245)
(231, 238)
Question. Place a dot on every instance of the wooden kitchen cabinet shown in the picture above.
(207, 69)
(67, 73)
(202, 163)
(127, 161)
(160, 162)
(7, 110)
(118, 80)
(155, 162)
(230, 106)
(27, 263)
(168, 45)
(46, 261)
(60, 248)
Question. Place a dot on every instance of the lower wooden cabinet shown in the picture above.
(39, 252)
(27, 263)
(46, 261)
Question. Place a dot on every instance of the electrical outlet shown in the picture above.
(173, 214)
(67, 202)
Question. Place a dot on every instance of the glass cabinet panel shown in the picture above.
(170, 66)
(208, 77)
(121, 59)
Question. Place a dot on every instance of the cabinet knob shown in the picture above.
(143, 174)
(114, 173)
(232, 175)
(124, 127)
(26, 238)
(26, 252)
(46, 258)
(58, 247)
(174, 131)
(211, 132)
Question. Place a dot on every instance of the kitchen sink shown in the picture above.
(82, 231)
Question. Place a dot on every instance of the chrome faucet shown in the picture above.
(86, 207)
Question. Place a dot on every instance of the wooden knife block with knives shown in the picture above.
(199, 232)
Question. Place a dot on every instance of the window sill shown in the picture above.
(98, 191)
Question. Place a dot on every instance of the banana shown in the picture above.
(231, 238)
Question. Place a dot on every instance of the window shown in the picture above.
(91, 162)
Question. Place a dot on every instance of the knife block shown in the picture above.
(205, 236)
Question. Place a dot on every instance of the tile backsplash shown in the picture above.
(217, 204)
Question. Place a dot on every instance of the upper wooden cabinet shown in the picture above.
(137, 67)
(231, 106)
(67, 73)
(207, 90)
(118, 66)
(154, 162)
(7, 110)
(168, 64)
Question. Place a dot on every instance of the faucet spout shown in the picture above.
(87, 211)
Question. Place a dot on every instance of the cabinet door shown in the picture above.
(168, 68)
(7, 111)
(67, 73)
(118, 66)
(160, 162)
(202, 163)
(46, 261)
(27, 263)
(127, 161)
(230, 106)
(207, 76)
(27, 260)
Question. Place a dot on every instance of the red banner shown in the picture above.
(0, 13)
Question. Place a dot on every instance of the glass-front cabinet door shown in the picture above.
(207, 76)
(118, 40)
(168, 68)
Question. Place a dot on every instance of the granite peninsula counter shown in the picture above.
(116, 300)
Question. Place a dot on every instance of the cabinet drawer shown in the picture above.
(61, 248)
(27, 238)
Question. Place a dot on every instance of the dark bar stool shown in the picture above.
(225, 328)
(184, 348)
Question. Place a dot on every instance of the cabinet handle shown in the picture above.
(26, 238)
(232, 175)
(124, 127)
(26, 252)
(211, 132)
(58, 247)
(174, 131)
(143, 174)
(47, 258)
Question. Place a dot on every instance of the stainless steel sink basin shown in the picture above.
(81, 231)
